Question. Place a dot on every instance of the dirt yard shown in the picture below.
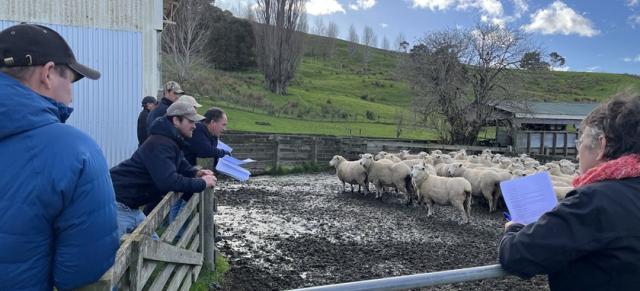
(299, 231)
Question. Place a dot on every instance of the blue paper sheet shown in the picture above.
(230, 169)
(224, 146)
(230, 166)
(529, 197)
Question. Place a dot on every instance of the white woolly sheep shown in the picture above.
(350, 172)
(384, 174)
(405, 155)
(483, 183)
(442, 191)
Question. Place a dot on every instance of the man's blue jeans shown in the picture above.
(129, 219)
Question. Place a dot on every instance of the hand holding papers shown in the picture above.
(230, 166)
(529, 197)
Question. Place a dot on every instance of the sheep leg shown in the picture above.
(351, 187)
(344, 187)
(460, 206)
(429, 203)
(467, 203)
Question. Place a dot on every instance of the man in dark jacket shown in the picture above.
(158, 167)
(203, 144)
(171, 92)
(58, 224)
(148, 104)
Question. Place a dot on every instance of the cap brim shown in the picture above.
(194, 117)
(180, 91)
(198, 105)
(84, 71)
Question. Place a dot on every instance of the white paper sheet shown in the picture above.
(229, 168)
(529, 197)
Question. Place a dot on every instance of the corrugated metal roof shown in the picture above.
(554, 110)
(135, 15)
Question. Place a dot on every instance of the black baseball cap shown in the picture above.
(149, 99)
(34, 45)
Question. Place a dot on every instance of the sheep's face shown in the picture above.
(366, 160)
(418, 171)
(455, 170)
(334, 161)
(380, 155)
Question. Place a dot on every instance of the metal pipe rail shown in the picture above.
(418, 280)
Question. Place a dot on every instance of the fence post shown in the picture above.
(314, 150)
(207, 231)
(276, 162)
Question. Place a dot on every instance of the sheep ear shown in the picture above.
(360, 155)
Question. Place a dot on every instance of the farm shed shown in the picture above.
(540, 127)
(121, 39)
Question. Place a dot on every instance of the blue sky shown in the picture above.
(592, 35)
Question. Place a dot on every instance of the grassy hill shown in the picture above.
(337, 96)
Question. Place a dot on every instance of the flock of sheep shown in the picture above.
(447, 179)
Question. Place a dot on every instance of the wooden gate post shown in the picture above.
(207, 229)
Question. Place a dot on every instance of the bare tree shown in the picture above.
(368, 40)
(385, 43)
(184, 41)
(319, 28)
(332, 34)
(353, 39)
(278, 42)
(398, 44)
(493, 52)
(463, 71)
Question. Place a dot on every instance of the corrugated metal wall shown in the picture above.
(120, 38)
(106, 109)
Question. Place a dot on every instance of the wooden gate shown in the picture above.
(171, 262)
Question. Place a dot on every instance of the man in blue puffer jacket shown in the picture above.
(57, 211)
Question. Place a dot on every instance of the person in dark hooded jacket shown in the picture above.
(171, 92)
(203, 144)
(157, 167)
(58, 223)
(148, 104)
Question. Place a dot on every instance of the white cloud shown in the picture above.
(632, 3)
(560, 69)
(635, 59)
(384, 25)
(433, 4)
(521, 7)
(323, 7)
(490, 10)
(362, 4)
(634, 20)
(593, 69)
(559, 18)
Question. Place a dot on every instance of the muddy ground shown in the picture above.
(299, 231)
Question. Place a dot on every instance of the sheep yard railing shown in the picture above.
(417, 280)
(172, 262)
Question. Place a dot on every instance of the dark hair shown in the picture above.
(180, 118)
(213, 114)
(619, 121)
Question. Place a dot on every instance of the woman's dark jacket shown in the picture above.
(590, 241)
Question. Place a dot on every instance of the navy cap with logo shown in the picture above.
(36, 45)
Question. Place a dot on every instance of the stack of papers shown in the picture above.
(529, 197)
(230, 166)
